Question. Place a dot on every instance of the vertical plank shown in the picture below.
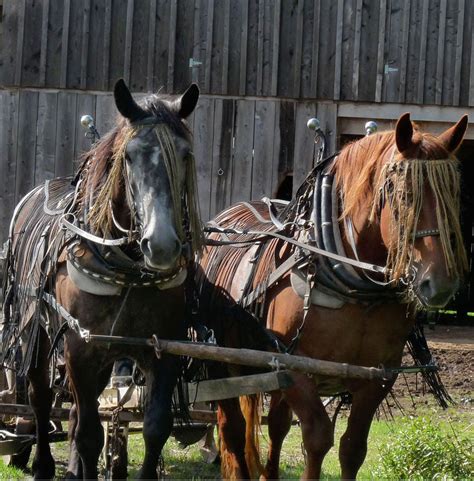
(96, 51)
(85, 105)
(241, 188)
(196, 42)
(471, 70)
(9, 41)
(105, 113)
(54, 43)
(422, 52)
(118, 35)
(298, 49)
(356, 62)
(66, 131)
(285, 133)
(381, 50)
(184, 48)
(65, 44)
(128, 41)
(172, 45)
(25, 161)
(315, 59)
(203, 139)
(225, 48)
(209, 34)
(44, 43)
(338, 65)
(260, 34)
(404, 51)
(441, 46)
(85, 42)
(46, 137)
(327, 115)
(263, 177)
(140, 48)
(222, 155)
(459, 50)
(304, 142)
(19, 41)
(276, 47)
(8, 150)
(151, 47)
(107, 39)
(243, 47)
(31, 54)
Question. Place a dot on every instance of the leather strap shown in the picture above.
(360, 264)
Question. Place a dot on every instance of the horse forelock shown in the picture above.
(371, 171)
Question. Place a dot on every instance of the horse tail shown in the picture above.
(250, 406)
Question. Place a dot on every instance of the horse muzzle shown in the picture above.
(434, 293)
(161, 254)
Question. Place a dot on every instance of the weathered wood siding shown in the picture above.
(243, 147)
(414, 51)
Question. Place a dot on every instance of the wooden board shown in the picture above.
(66, 133)
(217, 389)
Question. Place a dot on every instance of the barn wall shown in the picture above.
(413, 51)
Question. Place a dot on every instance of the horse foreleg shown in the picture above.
(74, 470)
(316, 426)
(279, 424)
(161, 378)
(353, 444)
(231, 423)
(41, 400)
(88, 435)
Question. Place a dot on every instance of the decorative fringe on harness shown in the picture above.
(403, 184)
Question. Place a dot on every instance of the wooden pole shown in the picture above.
(250, 357)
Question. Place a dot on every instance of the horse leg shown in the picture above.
(231, 423)
(353, 444)
(316, 426)
(279, 424)
(74, 470)
(41, 399)
(88, 434)
(161, 376)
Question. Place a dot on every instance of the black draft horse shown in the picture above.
(111, 250)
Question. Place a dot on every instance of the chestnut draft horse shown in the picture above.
(390, 199)
(107, 253)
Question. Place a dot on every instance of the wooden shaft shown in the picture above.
(251, 357)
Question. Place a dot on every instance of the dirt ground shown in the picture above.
(453, 350)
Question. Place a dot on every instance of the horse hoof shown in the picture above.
(43, 470)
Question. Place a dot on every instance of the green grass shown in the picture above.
(186, 463)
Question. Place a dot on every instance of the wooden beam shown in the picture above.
(381, 51)
(44, 43)
(260, 34)
(298, 49)
(225, 48)
(441, 46)
(227, 388)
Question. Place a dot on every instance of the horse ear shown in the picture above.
(452, 137)
(404, 133)
(125, 103)
(187, 102)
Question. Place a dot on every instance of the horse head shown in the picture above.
(401, 192)
(150, 181)
(419, 220)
